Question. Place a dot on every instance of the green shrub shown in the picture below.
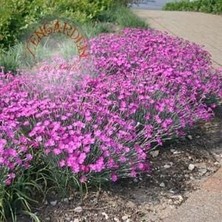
(208, 6)
(126, 18)
(17, 16)
(123, 17)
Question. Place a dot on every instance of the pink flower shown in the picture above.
(62, 163)
(81, 158)
(57, 151)
(83, 179)
(29, 157)
(114, 177)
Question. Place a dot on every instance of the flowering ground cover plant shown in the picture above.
(100, 119)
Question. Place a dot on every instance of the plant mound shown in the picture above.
(145, 87)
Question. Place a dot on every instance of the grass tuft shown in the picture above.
(123, 17)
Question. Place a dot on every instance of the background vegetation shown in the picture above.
(94, 17)
(209, 6)
(16, 16)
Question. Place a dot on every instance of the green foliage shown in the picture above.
(16, 16)
(92, 29)
(123, 17)
(126, 18)
(18, 197)
(208, 6)
(106, 21)
(32, 186)
(10, 59)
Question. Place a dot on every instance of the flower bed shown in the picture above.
(149, 87)
(145, 87)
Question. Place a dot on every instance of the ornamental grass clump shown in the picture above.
(144, 87)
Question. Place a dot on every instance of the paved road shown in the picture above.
(204, 205)
(201, 28)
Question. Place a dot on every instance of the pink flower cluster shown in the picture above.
(144, 88)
